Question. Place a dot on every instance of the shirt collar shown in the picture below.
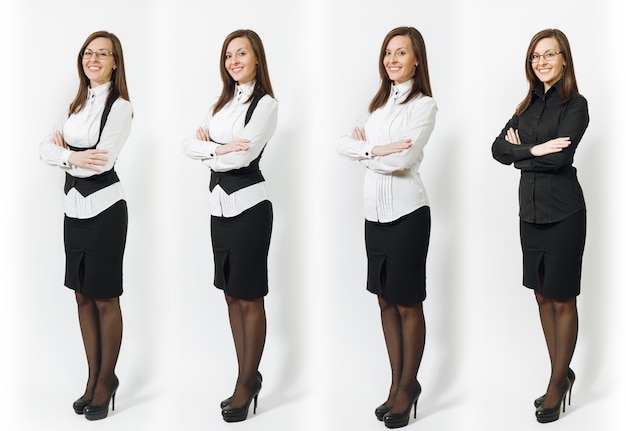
(99, 91)
(539, 91)
(399, 91)
(244, 91)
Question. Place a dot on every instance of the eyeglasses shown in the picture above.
(101, 54)
(547, 56)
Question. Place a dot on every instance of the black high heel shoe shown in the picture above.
(227, 401)
(79, 405)
(381, 411)
(238, 414)
(399, 420)
(571, 377)
(544, 415)
(101, 411)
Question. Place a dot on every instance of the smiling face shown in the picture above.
(99, 70)
(240, 61)
(548, 72)
(399, 59)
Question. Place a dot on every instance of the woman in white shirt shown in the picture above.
(397, 226)
(230, 142)
(85, 144)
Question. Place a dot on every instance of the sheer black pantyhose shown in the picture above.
(405, 335)
(248, 326)
(559, 320)
(101, 329)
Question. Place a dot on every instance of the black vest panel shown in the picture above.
(237, 179)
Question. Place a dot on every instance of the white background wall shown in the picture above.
(325, 364)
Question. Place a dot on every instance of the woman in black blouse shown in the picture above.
(540, 141)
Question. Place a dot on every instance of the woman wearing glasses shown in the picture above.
(397, 225)
(540, 140)
(85, 144)
(230, 142)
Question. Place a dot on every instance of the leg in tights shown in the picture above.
(101, 328)
(413, 340)
(90, 329)
(253, 322)
(111, 340)
(565, 330)
(392, 330)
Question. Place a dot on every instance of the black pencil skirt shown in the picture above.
(240, 248)
(396, 257)
(553, 255)
(94, 251)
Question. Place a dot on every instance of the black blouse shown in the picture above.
(549, 190)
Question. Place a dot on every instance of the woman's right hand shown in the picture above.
(394, 147)
(553, 146)
(89, 159)
(240, 145)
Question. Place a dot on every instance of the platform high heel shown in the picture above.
(399, 420)
(381, 411)
(238, 414)
(571, 376)
(227, 401)
(544, 415)
(79, 405)
(101, 411)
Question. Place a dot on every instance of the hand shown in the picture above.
(394, 147)
(553, 146)
(89, 159)
(358, 134)
(57, 139)
(240, 145)
(512, 136)
(203, 134)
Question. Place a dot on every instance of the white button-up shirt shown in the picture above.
(393, 186)
(81, 130)
(227, 126)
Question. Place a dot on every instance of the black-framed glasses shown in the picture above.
(549, 55)
(100, 54)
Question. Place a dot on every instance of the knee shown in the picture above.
(82, 301)
(252, 306)
(407, 311)
(564, 306)
(385, 306)
(106, 306)
(230, 301)
(542, 300)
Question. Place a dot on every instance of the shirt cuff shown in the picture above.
(212, 147)
(65, 157)
(367, 151)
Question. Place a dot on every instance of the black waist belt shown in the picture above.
(89, 185)
(237, 179)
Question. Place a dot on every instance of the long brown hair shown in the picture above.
(568, 87)
(421, 79)
(118, 77)
(262, 79)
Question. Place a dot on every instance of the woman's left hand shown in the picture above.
(58, 139)
(203, 134)
(358, 134)
(512, 136)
